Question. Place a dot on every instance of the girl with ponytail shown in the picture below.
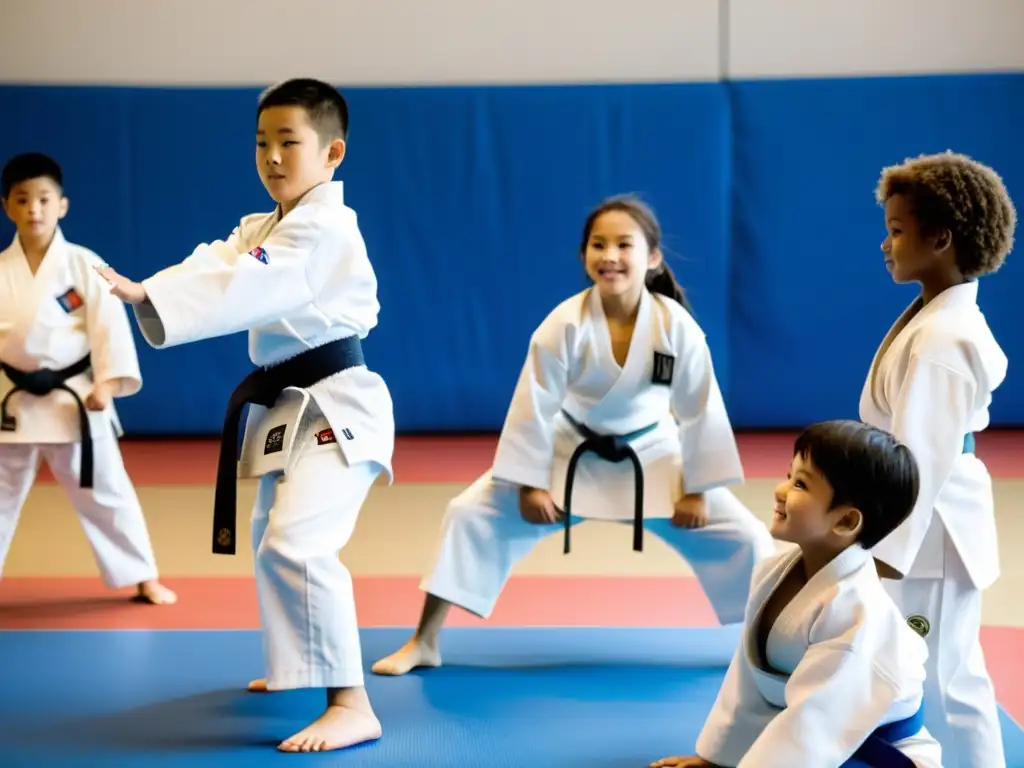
(617, 416)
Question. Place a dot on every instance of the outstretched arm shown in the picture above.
(218, 290)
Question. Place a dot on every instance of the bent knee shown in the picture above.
(476, 508)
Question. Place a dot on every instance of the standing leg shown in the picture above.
(19, 463)
(960, 702)
(723, 553)
(111, 517)
(483, 536)
(307, 604)
(266, 493)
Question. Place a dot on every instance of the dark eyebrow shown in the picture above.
(804, 474)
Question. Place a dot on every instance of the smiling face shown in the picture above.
(618, 256)
(291, 157)
(803, 513)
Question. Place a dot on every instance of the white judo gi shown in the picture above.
(51, 320)
(295, 283)
(668, 379)
(931, 385)
(838, 663)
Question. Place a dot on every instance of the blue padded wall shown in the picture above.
(471, 200)
(811, 296)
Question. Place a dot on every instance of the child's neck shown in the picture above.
(933, 285)
(817, 557)
(35, 249)
(621, 308)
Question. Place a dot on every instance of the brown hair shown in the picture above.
(658, 280)
(953, 192)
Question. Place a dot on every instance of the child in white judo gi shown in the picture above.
(617, 416)
(66, 351)
(828, 673)
(949, 221)
(321, 426)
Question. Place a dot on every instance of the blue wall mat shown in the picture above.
(811, 296)
(471, 201)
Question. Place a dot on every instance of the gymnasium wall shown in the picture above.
(483, 132)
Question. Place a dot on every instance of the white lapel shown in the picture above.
(639, 345)
(850, 560)
(759, 596)
(874, 384)
(847, 562)
(33, 290)
(959, 296)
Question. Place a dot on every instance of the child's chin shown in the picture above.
(778, 531)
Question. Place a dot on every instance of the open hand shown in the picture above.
(690, 512)
(126, 290)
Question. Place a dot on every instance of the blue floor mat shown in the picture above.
(506, 698)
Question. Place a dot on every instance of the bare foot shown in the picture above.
(340, 726)
(156, 593)
(258, 686)
(413, 654)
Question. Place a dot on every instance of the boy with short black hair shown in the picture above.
(321, 425)
(66, 350)
(828, 673)
(949, 221)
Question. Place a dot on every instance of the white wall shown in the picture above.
(395, 42)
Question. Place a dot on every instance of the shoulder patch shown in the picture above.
(260, 254)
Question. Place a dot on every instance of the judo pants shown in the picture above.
(959, 698)
(483, 536)
(301, 521)
(110, 513)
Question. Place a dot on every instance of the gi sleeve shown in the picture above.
(711, 457)
(740, 714)
(218, 290)
(930, 417)
(113, 354)
(526, 447)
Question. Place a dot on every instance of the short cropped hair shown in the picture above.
(868, 468)
(952, 192)
(324, 105)
(31, 165)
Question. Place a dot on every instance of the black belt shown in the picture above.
(41, 383)
(262, 387)
(613, 448)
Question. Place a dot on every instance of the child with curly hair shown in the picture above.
(949, 221)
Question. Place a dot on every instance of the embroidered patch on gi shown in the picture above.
(663, 367)
(70, 300)
(260, 255)
(275, 440)
(325, 436)
(919, 624)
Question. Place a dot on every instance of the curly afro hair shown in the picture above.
(952, 191)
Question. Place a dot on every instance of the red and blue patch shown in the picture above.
(70, 300)
(260, 255)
